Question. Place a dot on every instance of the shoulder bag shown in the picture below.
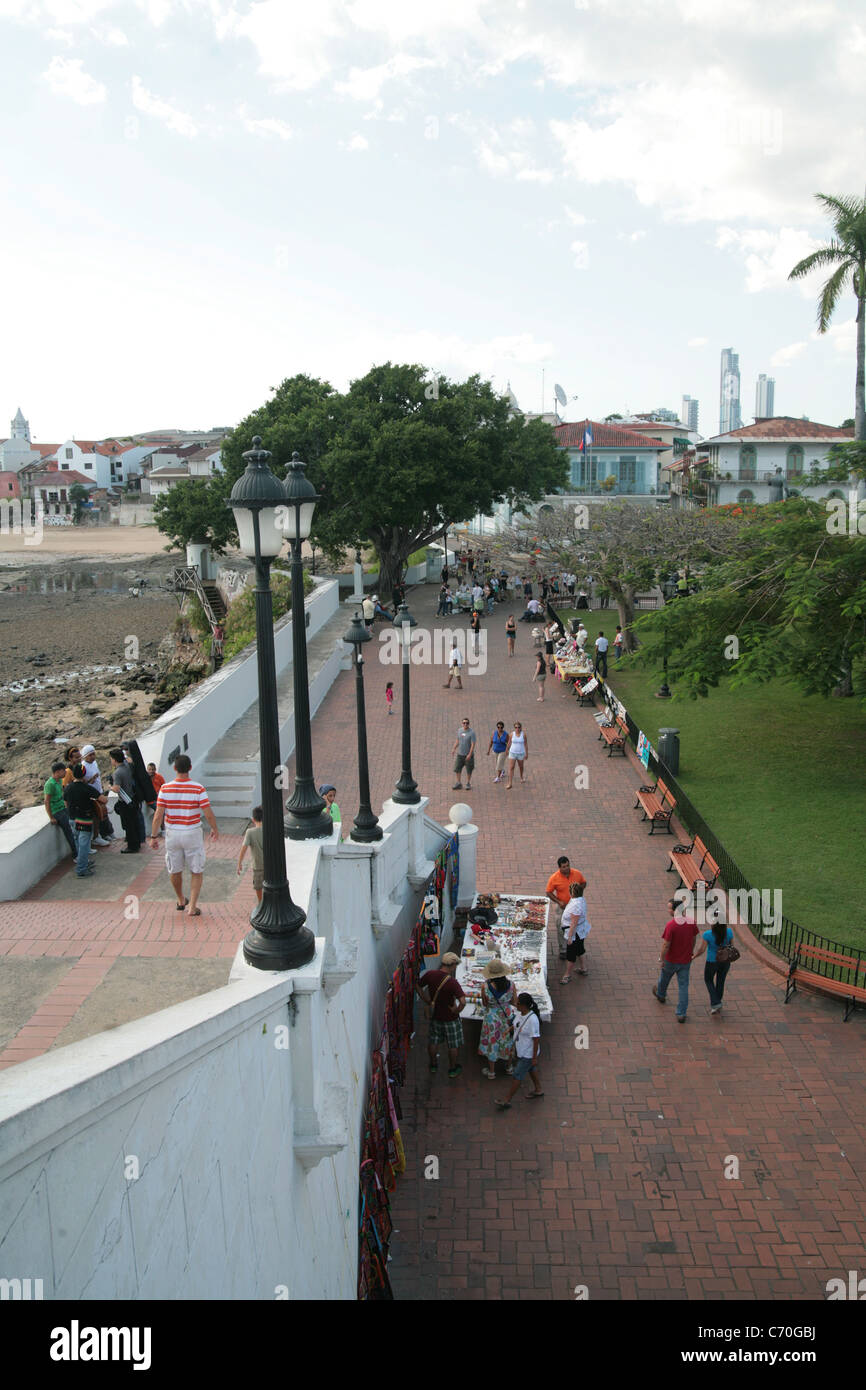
(429, 1008)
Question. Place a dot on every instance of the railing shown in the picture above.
(732, 876)
(188, 580)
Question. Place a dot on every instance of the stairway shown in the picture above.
(215, 599)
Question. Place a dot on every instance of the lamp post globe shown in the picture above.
(307, 816)
(366, 828)
(406, 792)
(279, 940)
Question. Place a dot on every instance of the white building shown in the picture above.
(729, 392)
(743, 462)
(765, 391)
(17, 451)
(101, 461)
(172, 466)
(689, 414)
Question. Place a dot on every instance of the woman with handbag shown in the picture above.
(527, 1043)
(498, 998)
(718, 943)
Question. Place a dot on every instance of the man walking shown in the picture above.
(455, 662)
(446, 1000)
(182, 803)
(128, 803)
(601, 646)
(55, 806)
(464, 748)
(677, 953)
(86, 807)
(558, 891)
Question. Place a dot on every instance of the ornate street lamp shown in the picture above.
(366, 825)
(278, 940)
(307, 817)
(406, 792)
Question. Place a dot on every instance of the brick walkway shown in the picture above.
(616, 1179)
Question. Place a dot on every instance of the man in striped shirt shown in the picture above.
(181, 804)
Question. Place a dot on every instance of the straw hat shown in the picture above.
(495, 969)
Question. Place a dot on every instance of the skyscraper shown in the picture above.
(729, 394)
(689, 413)
(764, 393)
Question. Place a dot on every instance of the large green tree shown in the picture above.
(845, 253)
(196, 511)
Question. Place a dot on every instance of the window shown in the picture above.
(748, 461)
(88, 465)
(794, 460)
(746, 498)
(64, 467)
(69, 453)
(627, 466)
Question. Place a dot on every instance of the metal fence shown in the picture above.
(731, 875)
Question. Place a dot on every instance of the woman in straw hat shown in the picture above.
(498, 996)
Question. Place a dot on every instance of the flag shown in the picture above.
(587, 437)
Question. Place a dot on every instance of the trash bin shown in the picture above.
(669, 749)
(574, 624)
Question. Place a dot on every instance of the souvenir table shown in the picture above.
(567, 667)
(519, 938)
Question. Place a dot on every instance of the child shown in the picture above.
(527, 1040)
(617, 642)
(253, 843)
(389, 696)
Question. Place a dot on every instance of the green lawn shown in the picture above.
(781, 779)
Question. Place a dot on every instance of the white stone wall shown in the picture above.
(193, 1155)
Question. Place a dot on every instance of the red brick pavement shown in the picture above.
(616, 1179)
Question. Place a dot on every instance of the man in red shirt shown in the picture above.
(677, 953)
(439, 989)
(558, 890)
(182, 803)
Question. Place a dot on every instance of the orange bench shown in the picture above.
(849, 990)
(614, 735)
(658, 805)
(694, 864)
(583, 697)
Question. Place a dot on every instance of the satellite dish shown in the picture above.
(560, 394)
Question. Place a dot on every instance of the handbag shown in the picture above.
(429, 1008)
(726, 955)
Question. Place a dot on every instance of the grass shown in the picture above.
(781, 779)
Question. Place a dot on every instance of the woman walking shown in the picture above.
(498, 744)
(517, 751)
(540, 673)
(715, 970)
(527, 1041)
(475, 624)
(575, 930)
(498, 997)
(389, 696)
(510, 633)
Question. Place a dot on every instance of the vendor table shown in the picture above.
(519, 938)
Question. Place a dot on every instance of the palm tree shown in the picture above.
(846, 251)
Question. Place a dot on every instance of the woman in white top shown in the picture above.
(516, 752)
(575, 930)
(527, 1042)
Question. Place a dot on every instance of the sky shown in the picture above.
(204, 197)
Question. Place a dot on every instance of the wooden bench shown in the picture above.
(849, 990)
(694, 864)
(658, 805)
(614, 735)
(583, 698)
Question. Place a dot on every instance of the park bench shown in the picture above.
(847, 989)
(614, 735)
(583, 695)
(658, 805)
(694, 864)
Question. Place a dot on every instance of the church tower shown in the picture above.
(18, 449)
(19, 428)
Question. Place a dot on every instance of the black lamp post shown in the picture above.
(366, 825)
(406, 792)
(278, 940)
(307, 816)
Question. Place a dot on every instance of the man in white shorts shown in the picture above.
(181, 804)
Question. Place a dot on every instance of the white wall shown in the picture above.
(212, 1150)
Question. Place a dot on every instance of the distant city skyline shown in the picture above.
(689, 413)
(765, 394)
(729, 392)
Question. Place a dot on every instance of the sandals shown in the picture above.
(179, 907)
(565, 979)
(535, 1095)
(197, 913)
(502, 1104)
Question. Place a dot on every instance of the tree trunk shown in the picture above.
(860, 387)
(391, 561)
(625, 608)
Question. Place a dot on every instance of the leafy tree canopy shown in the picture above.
(196, 511)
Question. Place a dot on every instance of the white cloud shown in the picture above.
(365, 84)
(576, 219)
(66, 78)
(356, 143)
(697, 342)
(787, 354)
(769, 255)
(294, 39)
(455, 355)
(151, 105)
(631, 236)
(580, 251)
(111, 36)
(264, 125)
(842, 335)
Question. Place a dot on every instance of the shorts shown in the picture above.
(541, 677)
(258, 879)
(465, 760)
(522, 1067)
(575, 950)
(450, 1033)
(184, 849)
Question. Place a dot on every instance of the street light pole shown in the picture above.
(406, 792)
(366, 825)
(307, 817)
(278, 939)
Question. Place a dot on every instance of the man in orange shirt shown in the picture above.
(558, 890)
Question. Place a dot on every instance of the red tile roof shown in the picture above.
(787, 427)
(59, 478)
(45, 449)
(604, 436)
